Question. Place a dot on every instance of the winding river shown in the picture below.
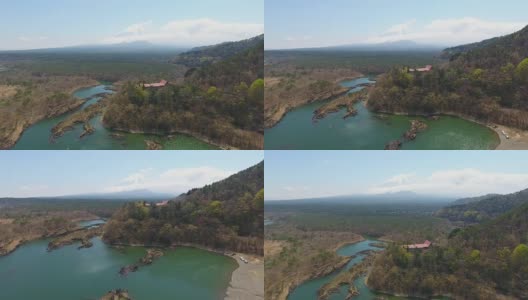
(31, 272)
(308, 290)
(38, 135)
(370, 131)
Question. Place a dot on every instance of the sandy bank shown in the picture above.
(518, 138)
(247, 281)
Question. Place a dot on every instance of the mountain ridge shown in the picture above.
(487, 207)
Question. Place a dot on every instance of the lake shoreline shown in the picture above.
(66, 108)
(504, 144)
(485, 138)
(13, 245)
(277, 117)
(181, 132)
(313, 275)
(243, 276)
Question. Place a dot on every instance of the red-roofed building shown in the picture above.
(163, 203)
(427, 68)
(156, 85)
(425, 245)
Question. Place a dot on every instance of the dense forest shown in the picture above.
(224, 215)
(483, 208)
(221, 102)
(487, 81)
(200, 56)
(478, 262)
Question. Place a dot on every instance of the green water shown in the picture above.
(37, 137)
(91, 223)
(68, 274)
(308, 290)
(367, 131)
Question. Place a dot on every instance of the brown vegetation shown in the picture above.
(347, 101)
(28, 227)
(82, 235)
(34, 98)
(118, 294)
(303, 255)
(346, 278)
(81, 117)
(290, 87)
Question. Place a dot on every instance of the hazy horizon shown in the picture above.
(293, 175)
(296, 24)
(60, 23)
(64, 173)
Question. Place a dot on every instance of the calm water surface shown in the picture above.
(38, 135)
(69, 274)
(370, 131)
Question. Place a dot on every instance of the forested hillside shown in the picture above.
(478, 262)
(210, 54)
(487, 81)
(485, 208)
(221, 102)
(224, 215)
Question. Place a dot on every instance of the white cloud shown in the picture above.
(459, 182)
(201, 31)
(138, 28)
(400, 29)
(176, 180)
(448, 31)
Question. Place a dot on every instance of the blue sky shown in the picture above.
(52, 173)
(308, 174)
(53, 23)
(313, 23)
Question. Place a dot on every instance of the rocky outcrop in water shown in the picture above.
(393, 145)
(416, 127)
(83, 235)
(347, 278)
(119, 294)
(88, 129)
(152, 145)
(128, 269)
(80, 117)
(150, 256)
(347, 101)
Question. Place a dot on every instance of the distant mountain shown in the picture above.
(396, 197)
(133, 195)
(403, 45)
(483, 208)
(128, 47)
(210, 54)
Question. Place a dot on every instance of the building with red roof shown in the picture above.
(427, 68)
(425, 245)
(156, 85)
